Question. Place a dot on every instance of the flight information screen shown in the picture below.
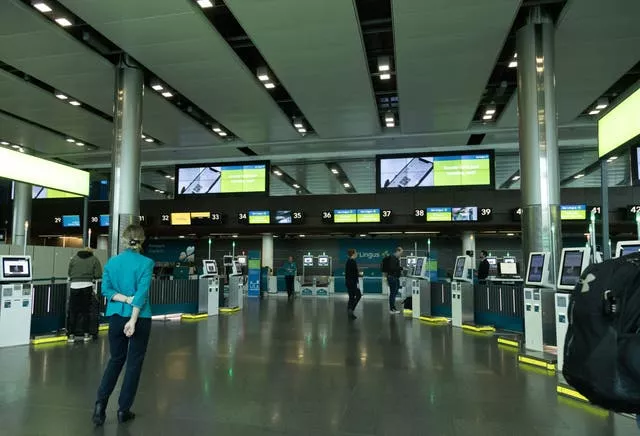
(222, 179)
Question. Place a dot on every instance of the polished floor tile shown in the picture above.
(299, 369)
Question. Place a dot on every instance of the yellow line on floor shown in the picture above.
(195, 316)
(537, 362)
(508, 342)
(48, 340)
(478, 329)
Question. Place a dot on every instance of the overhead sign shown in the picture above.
(620, 125)
(41, 172)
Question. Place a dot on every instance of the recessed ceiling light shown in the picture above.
(4, 143)
(601, 106)
(157, 87)
(15, 147)
(363, 236)
(168, 176)
(490, 111)
(222, 134)
(335, 171)
(510, 234)
(21, 150)
(42, 7)
(71, 140)
(513, 64)
(167, 94)
(204, 4)
(303, 236)
(389, 118)
(80, 144)
(612, 158)
(297, 124)
(74, 103)
(234, 236)
(217, 129)
(383, 63)
(602, 103)
(263, 77)
(391, 124)
(594, 112)
(61, 96)
(295, 185)
(346, 185)
(159, 191)
(487, 117)
(302, 130)
(269, 85)
(142, 136)
(64, 22)
(277, 173)
(148, 139)
(578, 176)
(263, 74)
(385, 76)
(515, 178)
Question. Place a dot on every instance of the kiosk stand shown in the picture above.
(317, 275)
(539, 313)
(462, 294)
(209, 295)
(236, 287)
(572, 263)
(624, 248)
(15, 300)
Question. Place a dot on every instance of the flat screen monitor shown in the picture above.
(227, 260)
(536, 269)
(508, 269)
(509, 260)
(307, 261)
(283, 217)
(323, 261)
(469, 213)
(345, 216)
(237, 268)
(209, 267)
(493, 265)
(368, 215)
(242, 260)
(624, 248)
(459, 271)
(259, 217)
(70, 220)
(16, 268)
(573, 212)
(105, 220)
(572, 264)
(222, 179)
(419, 266)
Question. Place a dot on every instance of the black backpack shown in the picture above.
(385, 264)
(602, 346)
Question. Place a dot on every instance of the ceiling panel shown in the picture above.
(597, 42)
(174, 40)
(325, 72)
(445, 52)
(39, 140)
(32, 103)
(47, 52)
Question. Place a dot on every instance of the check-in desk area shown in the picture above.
(499, 303)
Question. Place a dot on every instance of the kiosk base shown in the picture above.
(462, 302)
(538, 359)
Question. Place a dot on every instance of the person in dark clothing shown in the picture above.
(351, 278)
(84, 268)
(483, 269)
(290, 270)
(394, 270)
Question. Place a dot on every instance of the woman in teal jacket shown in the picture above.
(125, 285)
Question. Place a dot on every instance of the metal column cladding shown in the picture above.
(125, 161)
(539, 166)
(21, 212)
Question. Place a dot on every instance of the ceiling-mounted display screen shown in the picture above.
(453, 214)
(223, 179)
(573, 212)
(368, 215)
(435, 170)
(345, 216)
(38, 193)
(259, 217)
(620, 125)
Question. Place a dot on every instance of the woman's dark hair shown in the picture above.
(351, 251)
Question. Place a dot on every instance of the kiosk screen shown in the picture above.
(571, 267)
(536, 266)
(458, 271)
(307, 261)
(16, 268)
(419, 266)
(323, 261)
(210, 267)
(629, 249)
(508, 269)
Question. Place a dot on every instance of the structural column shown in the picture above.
(22, 198)
(125, 163)
(267, 250)
(539, 168)
(469, 244)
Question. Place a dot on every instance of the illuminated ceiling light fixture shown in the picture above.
(514, 61)
(391, 125)
(71, 140)
(346, 185)
(4, 143)
(515, 178)
(142, 136)
(74, 103)
(487, 117)
(60, 96)
(159, 191)
(42, 7)
(594, 112)
(612, 158)
(385, 76)
(297, 123)
(167, 94)
(491, 110)
(80, 144)
(578, 176)
(157, 87)
(148, 139)
(302, 130)
(21, 150)
(223, 134)
(204, 4)
(263, 74)
(217, 129)
(389, 117)
(15, 147)
(277, 173)
(295, 185)
(64, 22)
(335, 171)
(384, 64)
(269, 85)
(602, 103)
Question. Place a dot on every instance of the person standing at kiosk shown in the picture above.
(84, 268)
(394, 270)
(483, 268)
(351, 278)
(290, 270)
(125, 285)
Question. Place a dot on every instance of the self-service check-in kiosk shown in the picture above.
(420, 289)
(572, 263)
(209, 295)
(15, 300)
(317, 275)
(462, 295)
(539, 311)
(236, 286)
(624, 248)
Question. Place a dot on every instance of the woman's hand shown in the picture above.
(129, 300)
(130, 328)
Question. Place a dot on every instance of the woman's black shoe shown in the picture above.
(99, 414)
(125, 415)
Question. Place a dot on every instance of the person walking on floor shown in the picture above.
(125, 285)
(84, 268)
(394, 271)
(290, 270)
(351, 278)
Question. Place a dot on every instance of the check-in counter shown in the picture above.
(368, 285)
(441, 299)
(500, 304)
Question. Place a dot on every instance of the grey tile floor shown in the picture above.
(298, 369)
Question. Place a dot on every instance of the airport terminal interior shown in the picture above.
(476, 156)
